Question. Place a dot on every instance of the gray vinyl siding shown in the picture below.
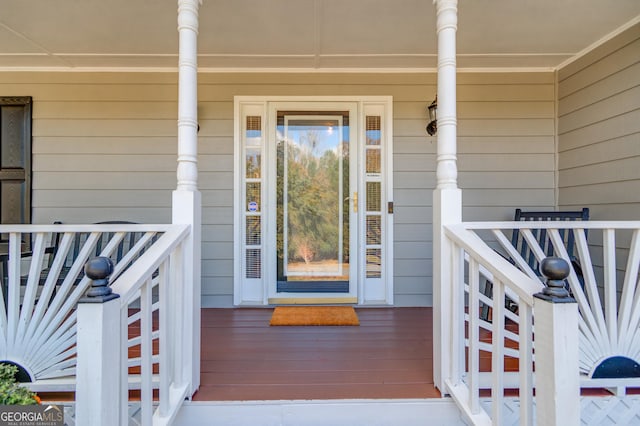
(506, 148)
(599, 130)
(105, 149)
(599, 138)
(104, 145)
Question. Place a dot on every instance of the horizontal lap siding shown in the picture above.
(599, 138)
(104, 145)
(105, 149)
(506, 146)
(599, 130)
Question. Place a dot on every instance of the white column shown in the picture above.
(188, 95)
(447, 198)
(186, 198)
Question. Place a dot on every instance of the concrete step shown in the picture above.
(373, 412)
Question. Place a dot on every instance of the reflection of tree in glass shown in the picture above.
(253, 164)
(310, 140)
(313, 200)
(252, 168)
(303, 247)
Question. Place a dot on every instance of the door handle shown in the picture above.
(355, 202)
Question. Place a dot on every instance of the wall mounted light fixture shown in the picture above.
(432, 127)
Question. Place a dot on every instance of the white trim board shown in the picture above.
(600, 42)
(267, 70)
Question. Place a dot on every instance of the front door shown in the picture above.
(316, 203)
(313, 201)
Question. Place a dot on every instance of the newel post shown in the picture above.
(447, 197)
(98, 393)
(556, 345)
(186, 201)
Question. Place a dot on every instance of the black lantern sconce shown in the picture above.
(432, 127)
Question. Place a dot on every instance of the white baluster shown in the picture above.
(497, 355)
(474, 336)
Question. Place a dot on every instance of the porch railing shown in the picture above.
(42, 280)
(135, 341)
(498, 324)
(470, 255)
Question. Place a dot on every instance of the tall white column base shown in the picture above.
(447, 208)
(187, 209)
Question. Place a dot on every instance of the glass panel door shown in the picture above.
(313, 198)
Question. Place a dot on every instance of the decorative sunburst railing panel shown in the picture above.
(604, 280)
(41, 281)
(498, 319)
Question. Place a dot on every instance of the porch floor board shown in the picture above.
(388, 356)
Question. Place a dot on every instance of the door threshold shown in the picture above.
(312, 300)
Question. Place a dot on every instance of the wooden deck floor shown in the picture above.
(388, 356)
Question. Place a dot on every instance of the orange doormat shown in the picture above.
(314, 315)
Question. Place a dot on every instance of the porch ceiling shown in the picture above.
(302, 34)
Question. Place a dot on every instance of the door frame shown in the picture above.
(261, 290)
(275, 297)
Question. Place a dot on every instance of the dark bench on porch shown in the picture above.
(541, 235)
(518, 241)
(123, 247)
